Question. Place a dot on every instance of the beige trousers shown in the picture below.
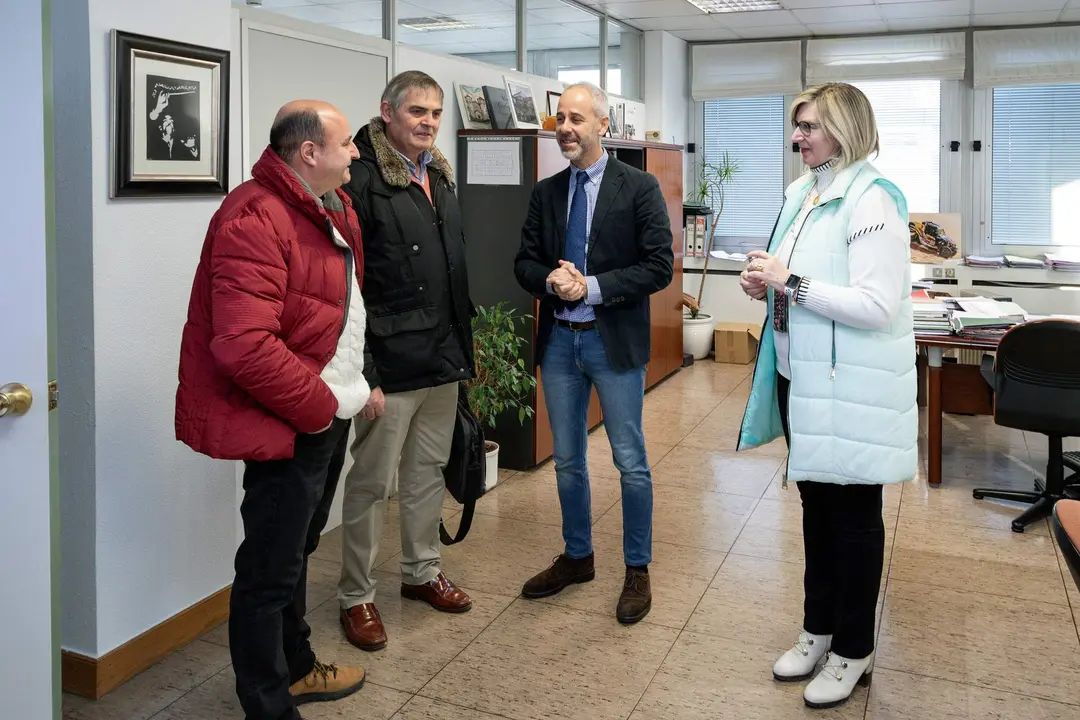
(411, 438)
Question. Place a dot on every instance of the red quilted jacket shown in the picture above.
(267, 306)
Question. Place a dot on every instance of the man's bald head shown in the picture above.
(298, 122)
(314, 139)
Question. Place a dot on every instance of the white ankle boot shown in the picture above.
(837, 679)
(799, 662)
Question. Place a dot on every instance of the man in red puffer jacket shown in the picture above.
(271, 373)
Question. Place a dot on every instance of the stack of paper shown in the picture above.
(1015, 261)
(981, 314)
(1063, 262)
(984, 260)
(721, 255)
(931, 315)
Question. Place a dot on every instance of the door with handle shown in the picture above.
(29, 673)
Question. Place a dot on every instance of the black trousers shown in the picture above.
(844, 539)
(286, 504)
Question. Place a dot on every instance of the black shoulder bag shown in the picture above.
(465, 473)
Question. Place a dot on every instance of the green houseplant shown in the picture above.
(502, 381)
(712, 181)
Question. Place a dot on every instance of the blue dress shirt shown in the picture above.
(595, 174)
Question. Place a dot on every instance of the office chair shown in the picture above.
(1066, 522)
(1036, 381)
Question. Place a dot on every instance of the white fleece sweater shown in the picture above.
(344, 374)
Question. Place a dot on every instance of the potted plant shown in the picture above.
(711, 183)
(502, 381)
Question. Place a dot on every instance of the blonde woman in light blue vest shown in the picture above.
(835, 375)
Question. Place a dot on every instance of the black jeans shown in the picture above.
(844, 540)
(286, 504)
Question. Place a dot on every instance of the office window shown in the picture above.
(754, 132)
(592, 74)
(908, 114)
(1035, 166)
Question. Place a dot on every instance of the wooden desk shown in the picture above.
(934, 346)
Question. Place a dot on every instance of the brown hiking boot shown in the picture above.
(636, 598)
(327, 682)
(563, 572)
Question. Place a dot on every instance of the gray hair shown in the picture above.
(600, 98)
(402, 83)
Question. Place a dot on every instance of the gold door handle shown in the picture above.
(15, 399)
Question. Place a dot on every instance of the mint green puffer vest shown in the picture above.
(852, 408)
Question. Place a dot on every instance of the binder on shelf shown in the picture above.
(699, 236)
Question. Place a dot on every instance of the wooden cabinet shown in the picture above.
(493, 216)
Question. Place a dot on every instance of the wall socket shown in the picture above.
(950, 272)
(937, 272)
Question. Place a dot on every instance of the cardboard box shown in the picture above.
(736, 342)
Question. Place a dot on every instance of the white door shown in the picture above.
(29, 648)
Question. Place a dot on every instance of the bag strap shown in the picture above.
(463, 526)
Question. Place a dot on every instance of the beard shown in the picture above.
(582, 148)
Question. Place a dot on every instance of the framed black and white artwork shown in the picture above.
(170, 118)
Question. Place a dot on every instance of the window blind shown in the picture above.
(1026, 56)
(908, 114)
(933, 56)
(742, 70)
(754, 132)
(1035, 166)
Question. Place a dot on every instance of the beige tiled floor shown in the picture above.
(975, 621)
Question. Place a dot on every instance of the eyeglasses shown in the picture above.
(806, 128)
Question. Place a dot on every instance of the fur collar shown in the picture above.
(392, 167)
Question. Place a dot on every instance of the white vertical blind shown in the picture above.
(1035, 166)
(935, 56)
(908, 114)
(741, 70)
(754, 132)
(1027, 56)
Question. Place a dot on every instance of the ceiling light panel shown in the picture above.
(733, 6)
(439, 22)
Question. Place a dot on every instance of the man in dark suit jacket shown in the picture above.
(595, 245)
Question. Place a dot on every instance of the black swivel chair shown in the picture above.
(1036, 381)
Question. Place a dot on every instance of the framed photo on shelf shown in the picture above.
(553, 102)
(169, 118)
(473, 107)
(522, 104)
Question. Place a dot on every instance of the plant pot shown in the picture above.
(697, 334)
(491, 478)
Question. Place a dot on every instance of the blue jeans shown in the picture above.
(573, 362)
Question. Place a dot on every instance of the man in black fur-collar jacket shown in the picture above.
(418, 348)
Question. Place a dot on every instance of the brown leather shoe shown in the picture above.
(363, 627)
(636, 598)
(325, 683)
(563, 572)
(440, 594)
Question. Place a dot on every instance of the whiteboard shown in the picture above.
(280, 68)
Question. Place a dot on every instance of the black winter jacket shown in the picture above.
(416, 286)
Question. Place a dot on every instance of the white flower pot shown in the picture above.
(491, 478)
(697, 334)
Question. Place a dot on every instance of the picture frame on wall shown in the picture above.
(169, 118)
(473, 107)
(522, 104)
(553, 102)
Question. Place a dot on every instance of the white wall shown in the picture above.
(163, 516)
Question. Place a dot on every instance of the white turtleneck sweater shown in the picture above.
(878, 252)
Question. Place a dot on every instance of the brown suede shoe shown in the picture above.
(363, 627)
(440, 594)
(562, 573)
(327, 682)
(636, 599)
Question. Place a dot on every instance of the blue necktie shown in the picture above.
(576, 229)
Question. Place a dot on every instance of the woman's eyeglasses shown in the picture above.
(806, 128)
